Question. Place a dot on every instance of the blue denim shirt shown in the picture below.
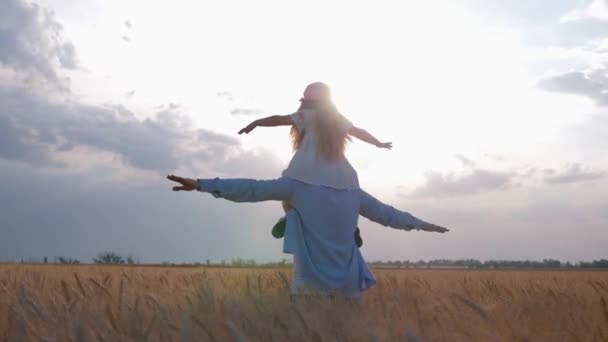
(319, 229)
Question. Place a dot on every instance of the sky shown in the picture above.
(497, 110)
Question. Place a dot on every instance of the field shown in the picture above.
(106, 303)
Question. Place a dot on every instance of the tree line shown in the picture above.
(492, 264)
(113, 258)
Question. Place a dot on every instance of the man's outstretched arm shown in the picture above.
(388, 216)
(238, 189)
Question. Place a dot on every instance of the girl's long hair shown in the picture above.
(331, 139)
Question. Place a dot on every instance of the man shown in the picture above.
(320, 227)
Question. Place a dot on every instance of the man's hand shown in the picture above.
(387, 145)
(187, 184)
(429, 227)
(248, 129)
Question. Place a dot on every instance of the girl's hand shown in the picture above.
(187, 184)
(248, 129)
(387, 145)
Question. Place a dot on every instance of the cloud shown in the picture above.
(36, 129)
(453, 184)
(472, 180)
(571, 174)
(31, 40)
(593, 85)
(596, 9)
(245, 111)
(465, 161)
(545, 24)
(227, 95)
(130, 94)
(42, 126)
(129, 26)
(84, 177)
(521, 12)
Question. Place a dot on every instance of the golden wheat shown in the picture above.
(121, 303)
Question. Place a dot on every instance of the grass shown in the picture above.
(114, 303)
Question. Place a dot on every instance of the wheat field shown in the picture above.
(130, 303)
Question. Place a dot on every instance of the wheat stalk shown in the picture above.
(84, 293)
(235, 331)
(101, 287)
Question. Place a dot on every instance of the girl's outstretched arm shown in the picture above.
(364, 135)
(271, 121)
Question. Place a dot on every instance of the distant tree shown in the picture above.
(109, 257)
(63, 260)
(132, 260)
(551, 263)
(45, 260)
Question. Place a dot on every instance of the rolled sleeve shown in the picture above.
(298, 120)
(248, 190)
(386, 215)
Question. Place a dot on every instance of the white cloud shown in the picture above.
(450, 184)
(572, 173)
(596, 9)
(592, 84)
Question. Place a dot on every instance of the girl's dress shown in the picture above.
(308, 166)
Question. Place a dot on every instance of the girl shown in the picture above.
(319, 134)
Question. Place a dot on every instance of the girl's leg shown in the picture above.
(286, 206)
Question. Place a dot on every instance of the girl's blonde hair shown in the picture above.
(331, 137)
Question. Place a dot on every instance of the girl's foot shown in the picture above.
(278, 231)
(358, 239)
